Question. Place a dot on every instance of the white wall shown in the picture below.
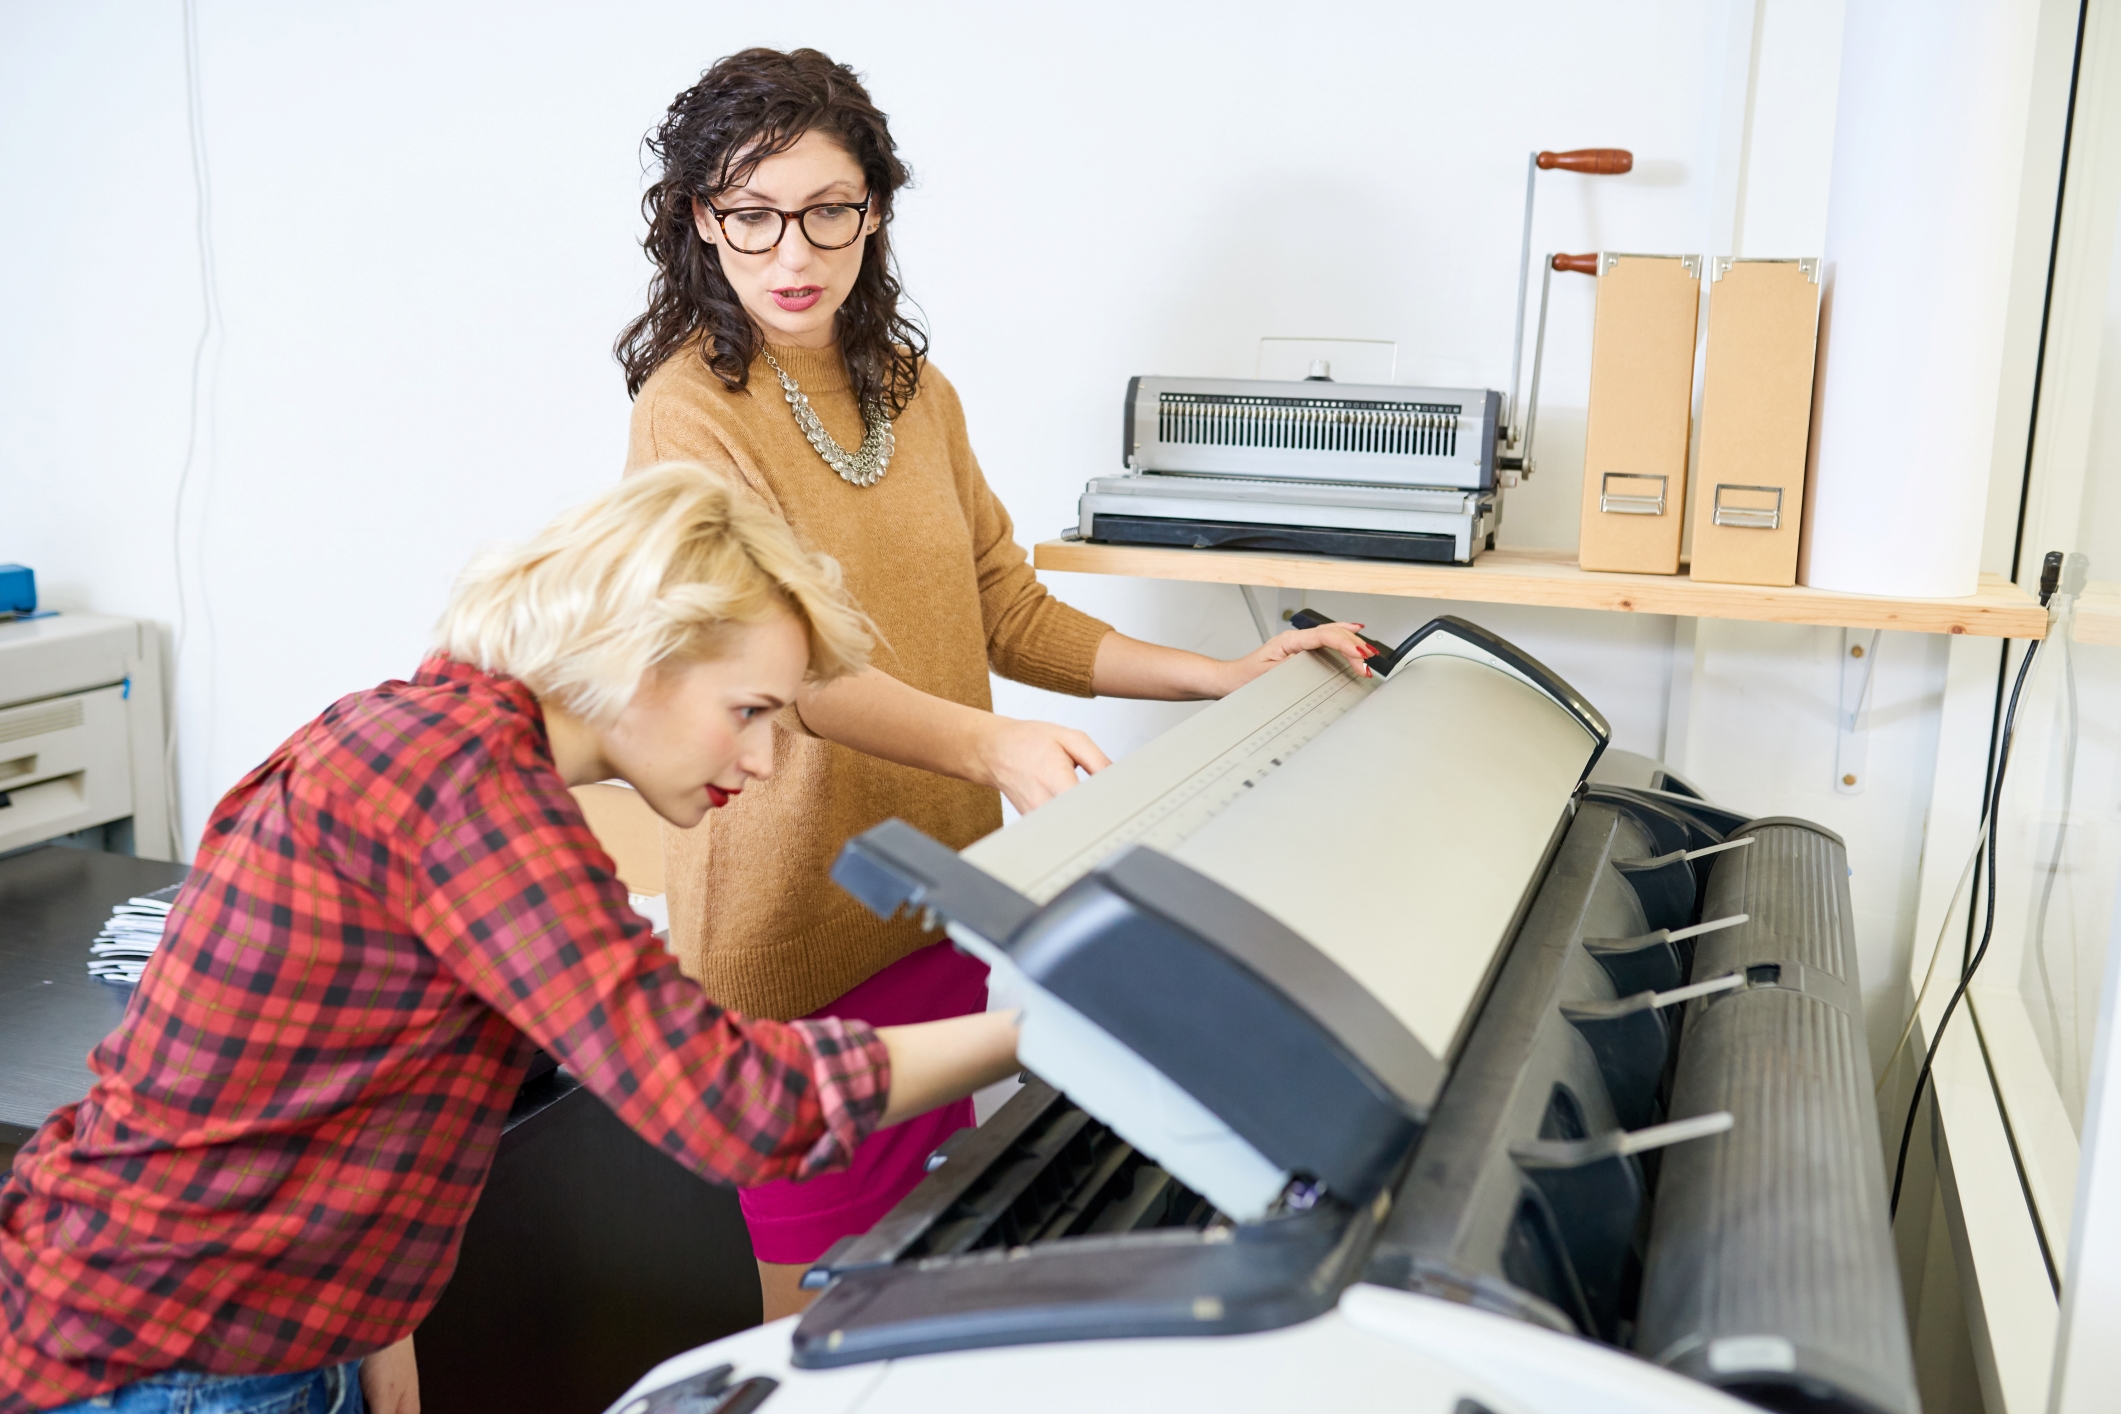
(425, 226)
(425, 232)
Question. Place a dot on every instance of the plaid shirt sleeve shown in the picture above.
(507, 899)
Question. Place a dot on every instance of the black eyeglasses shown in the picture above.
(754, 230)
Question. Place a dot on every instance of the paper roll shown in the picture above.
(1922, 218)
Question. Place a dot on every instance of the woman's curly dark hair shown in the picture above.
(749, 107)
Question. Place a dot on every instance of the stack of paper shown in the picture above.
(122, 949)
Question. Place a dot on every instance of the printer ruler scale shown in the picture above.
(1159, 799)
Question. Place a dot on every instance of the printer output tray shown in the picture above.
(1043, 1225)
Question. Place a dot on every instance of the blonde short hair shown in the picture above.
(662, 566)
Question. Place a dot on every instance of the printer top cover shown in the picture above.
(1470, 764)
(1255, 950)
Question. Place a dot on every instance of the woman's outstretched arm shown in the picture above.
(1128, 667)
(936, 1062)
(876, 714)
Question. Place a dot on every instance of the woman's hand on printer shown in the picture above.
(1032, 762)
(1128, 667)
(1029, 762)
(1344, 639)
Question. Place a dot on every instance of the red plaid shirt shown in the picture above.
(287, 1134)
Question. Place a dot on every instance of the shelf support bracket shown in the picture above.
(1271, 608)
(1686, 672)
(1852, 721)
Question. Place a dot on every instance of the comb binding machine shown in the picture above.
(1381, 471)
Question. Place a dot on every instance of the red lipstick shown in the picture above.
(717, 797)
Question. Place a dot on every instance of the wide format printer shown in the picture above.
(1392, 1050)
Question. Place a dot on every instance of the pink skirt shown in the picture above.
(796, 1222)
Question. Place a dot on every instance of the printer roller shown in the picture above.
(1771, 1269)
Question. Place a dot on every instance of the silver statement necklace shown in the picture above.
(864, 467)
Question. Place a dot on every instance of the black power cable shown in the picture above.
(2050, 579)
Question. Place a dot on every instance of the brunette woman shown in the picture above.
(287, 1133)
(774, 346)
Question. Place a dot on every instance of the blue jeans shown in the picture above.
(333, 1390)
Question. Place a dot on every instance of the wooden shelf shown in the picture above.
(2098, 613)
(1551, 578)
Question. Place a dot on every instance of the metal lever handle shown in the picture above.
(1740, 843)
(1590, 161)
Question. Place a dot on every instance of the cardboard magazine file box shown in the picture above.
(1756, 419)
(1642, 395)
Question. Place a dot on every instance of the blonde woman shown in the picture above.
(288, 1132)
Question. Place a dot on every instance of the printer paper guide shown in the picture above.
(1146, 1108)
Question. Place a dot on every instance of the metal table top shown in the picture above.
(52, 1013)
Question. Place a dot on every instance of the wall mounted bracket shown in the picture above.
(1271, 608)
(1852, 721)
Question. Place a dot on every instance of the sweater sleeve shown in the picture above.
(1032, 637)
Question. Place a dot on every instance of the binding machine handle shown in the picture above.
(1585, 264)
(1591, 161)
(1519, 419)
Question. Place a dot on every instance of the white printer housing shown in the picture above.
(82, 736)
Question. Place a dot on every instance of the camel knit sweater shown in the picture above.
(930, 554)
